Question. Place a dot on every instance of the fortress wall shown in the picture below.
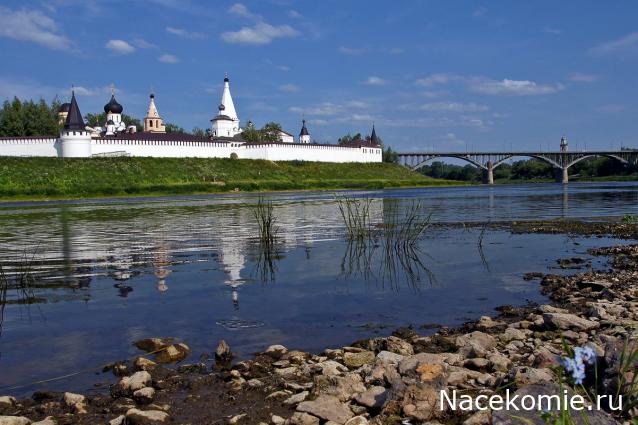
(29, 146)
(162, 148)
(310, 152)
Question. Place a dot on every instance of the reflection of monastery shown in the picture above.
(224, 139)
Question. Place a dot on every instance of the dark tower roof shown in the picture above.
(113, 107)
(304, 130)
(64, 107)
(373, 138)
(74, 119)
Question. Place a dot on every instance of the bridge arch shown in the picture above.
(593, 155)
(462, 157)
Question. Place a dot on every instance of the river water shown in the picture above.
(109, 272)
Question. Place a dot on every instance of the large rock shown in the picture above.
(475, 344)
(144, 395)
(137, 381)
(525, 375)
(342, 387)
(7, 402)
(76, 402)
(357, 420)
(146, 417)
(424, 366)
(389, 357)
(14, 420)
(49, 420)
(222, 352)
(356, 360)
(398, 346)
(142, 363)
(372, 398)
(300, 418)
(422, 402)
(568, 321)
(173, 353)
(331, 367)
(152, 344)
(327, 408)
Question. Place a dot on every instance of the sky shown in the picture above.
(450, 76)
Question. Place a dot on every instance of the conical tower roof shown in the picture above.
(74, 119)
(152, 110)
(227, 102)
(373, 137)
(304, 130)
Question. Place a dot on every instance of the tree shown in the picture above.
(198, 132)
(173, 128)
(347, 139)
(28, 118)
(271, 132)
(389, 155)
(250, 133)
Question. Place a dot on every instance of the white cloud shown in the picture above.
(289, 88)
(91, 92)
(240, 10)
(433, 94)
(293, 14)
(351, 50)
(143, 44)
(356, 104)
(375, 81)
(318, 122)
(120, 47)
(578, 77)
(166, 58)
(325, 108)
(32, 26)
(453, 107)
(507, 87)
(621, 44)
(437, 79)
(259, 34)
(283, 68)
(180, 32)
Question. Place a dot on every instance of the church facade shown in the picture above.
(223, 140)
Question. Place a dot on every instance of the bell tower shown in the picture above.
(152, 121)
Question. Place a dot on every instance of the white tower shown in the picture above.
(226, 123)
(74, 141)
(563, 144)
(304, 136)
(153, 122)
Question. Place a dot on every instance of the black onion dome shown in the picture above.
(113, 107)
(226, 80)
(222, 107)
(64, 107)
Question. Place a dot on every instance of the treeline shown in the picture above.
(532, 169)
(28, 118)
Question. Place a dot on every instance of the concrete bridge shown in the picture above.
(488, 161)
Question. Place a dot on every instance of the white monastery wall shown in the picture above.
(310, 152)
(27, 146)
(162, 148)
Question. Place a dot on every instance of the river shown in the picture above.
(109, 272)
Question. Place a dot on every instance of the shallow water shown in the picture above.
(113, 271)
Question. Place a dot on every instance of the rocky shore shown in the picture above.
(387, 380)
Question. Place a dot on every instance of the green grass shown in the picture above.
(43, 178)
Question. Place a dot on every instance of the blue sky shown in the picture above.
(430, 75)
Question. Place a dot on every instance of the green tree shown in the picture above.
(389, 155)
(198, 132)
(250, 133)
(173, 128)
(271, 132)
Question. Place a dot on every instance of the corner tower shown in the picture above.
(152, 121)
(74, 141)
(304, 136)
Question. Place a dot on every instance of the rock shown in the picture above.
(144, 395)
(146, 417)
(483, 417)
(544, 358)
(278, 350)
(477, 364)
(76, 402)
(236, 419)
(382, 373)
(255, 383)
(7, 402)
(222, 352)
(422, 402)
(152, 344)
(486, 323)
(475, 344)
(137, 381)
(357, 420)
(568, 321)
(49, 420)
(14, 420)
(425, 366)
(499, 363)
(296, 398)
(120, 420)
(277, 420)
(372, 398)
(356, 360)
(524, 375)
(142, 363)
(512, 334)
(398, 346)
(546, 308)
(342, 387)
(299, 418)
(389, 357)
(331, 367)
(327, 408)
(173, 353)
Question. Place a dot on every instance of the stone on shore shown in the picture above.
(356, 360)
(14, 420)
(144, 395)
(49, 420)
(76, 402)
(146, 417)
(357, 420)
(372, 398)
(173, 353)
(142, 363)
(328, 408)
(475, 344)
(7, 402)
(300, 418)
(152, 344)
(137, 381)
(222, 352)
(568, 321)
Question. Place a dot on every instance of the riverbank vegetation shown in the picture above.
(534, 170)
(33, 178)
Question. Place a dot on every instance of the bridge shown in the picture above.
(488, 161)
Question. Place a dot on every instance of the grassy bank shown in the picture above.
(38, 178)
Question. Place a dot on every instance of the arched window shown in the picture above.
(150, 123)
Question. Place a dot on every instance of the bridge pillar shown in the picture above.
(563, 175)
(489, 173)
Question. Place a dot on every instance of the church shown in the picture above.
(223, 139)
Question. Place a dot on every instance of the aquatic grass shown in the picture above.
(407, 227)
(21, 280)
(628, 366)
(356, 217)
(264, 215)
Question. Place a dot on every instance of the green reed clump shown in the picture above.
(264, 215)
(628, 377)
(407, 227)
(356, 217)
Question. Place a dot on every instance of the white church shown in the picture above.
(224, 139)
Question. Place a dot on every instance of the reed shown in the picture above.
(356, 217)
(264, 215)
